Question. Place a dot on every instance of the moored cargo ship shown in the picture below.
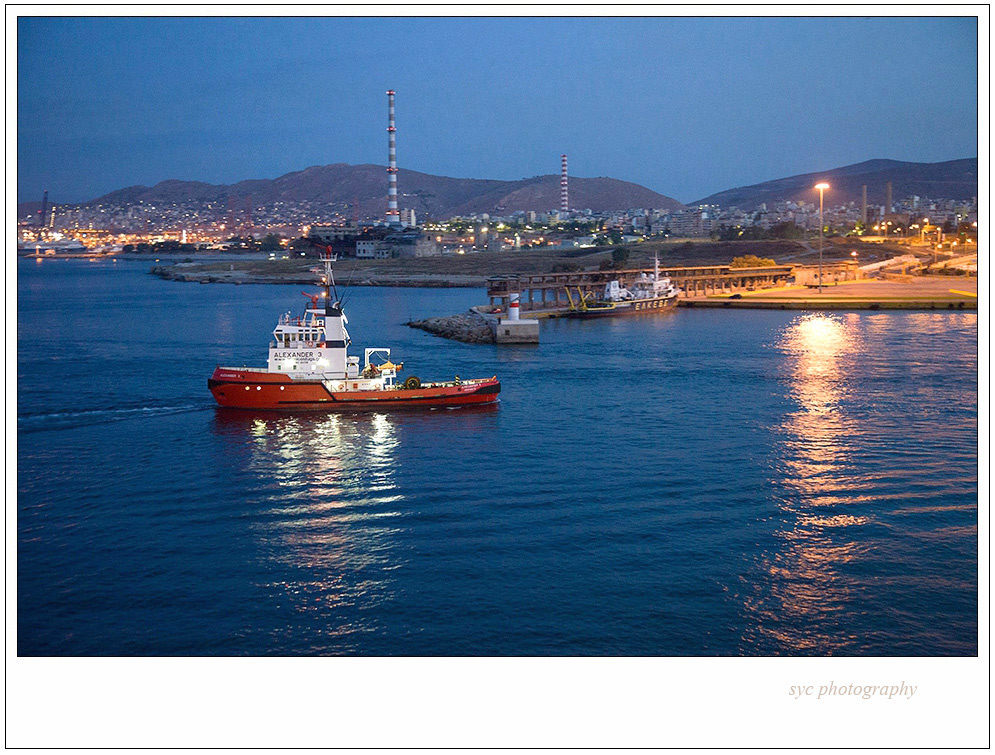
(647, 294)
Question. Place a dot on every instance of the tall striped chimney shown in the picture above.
(393, 216)
(564, 196)
(863, 206)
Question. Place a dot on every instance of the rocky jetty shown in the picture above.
(469, 327)
(186, 275)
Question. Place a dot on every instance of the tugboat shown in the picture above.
(647, 295)
(309, 369)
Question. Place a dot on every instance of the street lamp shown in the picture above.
(822, 189)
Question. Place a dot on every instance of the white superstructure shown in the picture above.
(316, 345)
(644, 286)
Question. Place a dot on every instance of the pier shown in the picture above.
(845, 287)
(548, 291)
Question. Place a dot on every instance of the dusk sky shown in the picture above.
(684, 106)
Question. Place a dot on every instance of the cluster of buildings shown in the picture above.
(208, 223)
(373, 240)
(212, 224)
(844, 218)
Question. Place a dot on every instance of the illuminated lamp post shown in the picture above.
(934, 244)
(822, 190)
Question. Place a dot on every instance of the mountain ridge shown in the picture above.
(347, 186)
(949, 179)
(351, 189)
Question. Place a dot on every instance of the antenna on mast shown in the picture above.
(328, 279)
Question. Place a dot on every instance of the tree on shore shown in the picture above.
(270, 243)
(159, 247)
(618, 261)
(784, 230)
(742, 233)
(787, 230)
(752, 260)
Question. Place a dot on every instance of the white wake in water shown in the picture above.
(69, 419)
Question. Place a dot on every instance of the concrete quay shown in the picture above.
(909, 292)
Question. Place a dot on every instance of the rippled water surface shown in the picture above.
(697, 483)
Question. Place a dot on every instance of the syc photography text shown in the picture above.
(865, 691)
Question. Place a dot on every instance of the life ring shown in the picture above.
(412, 383)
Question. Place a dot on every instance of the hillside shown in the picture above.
(341, 186)
(955, 179)
(347, 188)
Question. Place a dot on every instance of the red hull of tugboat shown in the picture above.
(255, 389)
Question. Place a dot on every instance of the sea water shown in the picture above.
(701, 482)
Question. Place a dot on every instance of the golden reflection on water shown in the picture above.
(815, 432)
(803, 587)
(880, 407)
(329, 519)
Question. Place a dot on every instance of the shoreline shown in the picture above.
(385, 280)
(930, 293)
(923, 293)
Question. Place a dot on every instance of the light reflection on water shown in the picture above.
(803, 578)
(847, 455)
(330, 515)
(815, 433)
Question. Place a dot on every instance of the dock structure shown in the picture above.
(548, 291)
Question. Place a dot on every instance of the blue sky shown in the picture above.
(684, 106)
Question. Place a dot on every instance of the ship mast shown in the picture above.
(328, 280)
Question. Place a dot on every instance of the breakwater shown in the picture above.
(469, 327)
